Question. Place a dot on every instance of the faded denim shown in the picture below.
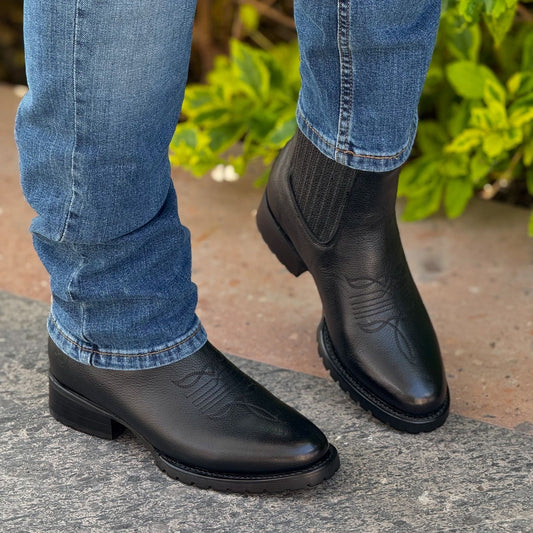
(363, 65)
(106, 82)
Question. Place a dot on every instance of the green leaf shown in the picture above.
(530, 227)
(465, 43)
(527, 53)
(495, 7)
(521, 117)
(419, 176)
(213, 116)
(499, 22)
(513, 83)
(482, 119)
(528, 158)
(493, 144)
(410, 173)
(281, 133)
(261, 124)
(186, 135)
(521, 111)
(250, 69)
(189, 149)
(239, 163)
(197, 97)
(422, 206)
(525, 87)
(431, 137)
(238, 102)
(196, 161)
(492, 117)
(284, 62)
(480, 167)
(498, 114)
(470, 9)
(455, 166)
(458, 193)
(459, 116)
(262, 180)
(493, 92)
(226, 135)
(249, 17)
(465, 141)
(468, 78)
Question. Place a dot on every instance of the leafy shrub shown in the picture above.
(250, 96)
(476, 127)
(477, 109)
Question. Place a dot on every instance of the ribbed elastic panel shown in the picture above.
(321, 187)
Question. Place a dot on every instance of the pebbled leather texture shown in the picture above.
(373, 312)
(201, 411)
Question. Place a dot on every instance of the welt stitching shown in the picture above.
(92, 351)
(223, 475)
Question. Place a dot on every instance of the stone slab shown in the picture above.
(466, 476)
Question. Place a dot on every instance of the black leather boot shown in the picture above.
(206, 423)
(375, 338)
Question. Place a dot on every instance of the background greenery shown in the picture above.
(476, 128)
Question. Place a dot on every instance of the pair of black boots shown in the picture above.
(210, 425)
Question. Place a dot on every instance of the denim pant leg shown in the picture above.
(363, 65)
(106, 82)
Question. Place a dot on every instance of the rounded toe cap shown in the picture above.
(423, 397)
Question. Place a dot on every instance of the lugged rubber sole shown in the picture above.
(280, 244)
(77, 412)
(383, 411)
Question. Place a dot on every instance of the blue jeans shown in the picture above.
(106, 82)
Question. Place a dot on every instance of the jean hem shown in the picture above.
(357, 158)
(154, 357)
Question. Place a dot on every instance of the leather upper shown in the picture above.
(202, 411)
(375, 317)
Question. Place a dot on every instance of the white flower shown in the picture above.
(218, 173)
(224, 173)
(230, 174)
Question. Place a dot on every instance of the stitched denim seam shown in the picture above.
(346, 76)
(93, 351)
(76, 278)
(75, 112)
(351, 152)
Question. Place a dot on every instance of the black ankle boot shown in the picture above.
(375, 338)
(206, 423)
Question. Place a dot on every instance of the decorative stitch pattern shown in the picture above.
(210, 394)
(374, 309)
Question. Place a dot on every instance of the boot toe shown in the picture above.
(423, 398)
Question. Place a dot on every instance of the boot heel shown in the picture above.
(76, 412)
(277, 240)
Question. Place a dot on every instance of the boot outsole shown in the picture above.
(75, 411)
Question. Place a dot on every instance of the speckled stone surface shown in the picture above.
(466, 476)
